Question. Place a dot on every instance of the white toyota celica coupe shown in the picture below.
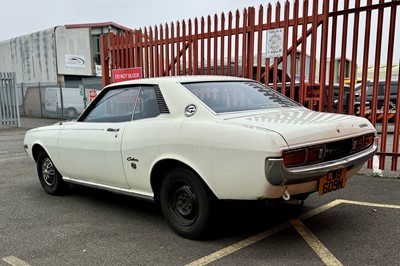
(186, 142)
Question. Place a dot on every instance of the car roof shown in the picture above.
(178, 79)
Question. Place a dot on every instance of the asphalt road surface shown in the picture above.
(358, 225)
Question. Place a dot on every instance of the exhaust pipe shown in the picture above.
(286, 195)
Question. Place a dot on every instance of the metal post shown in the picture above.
(62, 102)
(16, 106)
(23, 98)
(40, 100)
(2, 100)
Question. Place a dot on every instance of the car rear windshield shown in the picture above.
(235, 96)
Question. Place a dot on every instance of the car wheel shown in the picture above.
(49, 177)
(186, 203)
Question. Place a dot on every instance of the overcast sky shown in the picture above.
(20, 17)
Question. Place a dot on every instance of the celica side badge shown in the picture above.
(133, 162)
(190, 110)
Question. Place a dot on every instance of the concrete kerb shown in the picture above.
(29, 123)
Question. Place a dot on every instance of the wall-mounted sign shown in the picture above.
(75, 61)
(124, 74)
(92, 95)
(98, 71)
(275, 43)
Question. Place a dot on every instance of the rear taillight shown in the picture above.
(303, 156)
(315, 154)
(294, 158)
(357, 144)
(330, 151)
(361, 143)
(368, 141)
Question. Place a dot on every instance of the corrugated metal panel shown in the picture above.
(74, 51)
(31, 57)
(5, 57)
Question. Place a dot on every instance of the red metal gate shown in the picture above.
(323, 42)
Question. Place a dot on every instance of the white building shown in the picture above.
(57, 55)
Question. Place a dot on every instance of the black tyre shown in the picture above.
(49, 177)
(71, 112)
(186, 203)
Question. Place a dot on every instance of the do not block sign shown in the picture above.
(125, 74)
(92, 95)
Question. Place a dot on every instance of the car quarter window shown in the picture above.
(124, 104)
(147, 105)
(238, 96)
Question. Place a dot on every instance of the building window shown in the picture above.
(96, 49)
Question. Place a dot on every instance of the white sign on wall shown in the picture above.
(275, 43)
(75, 61)
(99, 71)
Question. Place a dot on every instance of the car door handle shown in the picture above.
(112, 129)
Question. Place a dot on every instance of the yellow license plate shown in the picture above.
(334, 180)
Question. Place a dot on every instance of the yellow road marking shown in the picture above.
(319, 248)
(319, 210)
(369, 204)
(323, 250)
(251, 240)
(239, 245)
(15, 261)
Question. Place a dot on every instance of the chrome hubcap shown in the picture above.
(48, 172)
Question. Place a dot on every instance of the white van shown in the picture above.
(72, 99)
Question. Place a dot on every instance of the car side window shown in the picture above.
(147, 105)
(116, 105)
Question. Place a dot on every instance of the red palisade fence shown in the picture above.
(330, 59)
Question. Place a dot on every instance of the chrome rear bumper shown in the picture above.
(277, 174)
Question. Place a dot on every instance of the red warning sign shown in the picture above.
(124, 74)
(92, 95)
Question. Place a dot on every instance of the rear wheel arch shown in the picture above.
(162, 168)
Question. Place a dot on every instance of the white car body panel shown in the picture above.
(242, 165)
(91, 153)
(300, 125)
